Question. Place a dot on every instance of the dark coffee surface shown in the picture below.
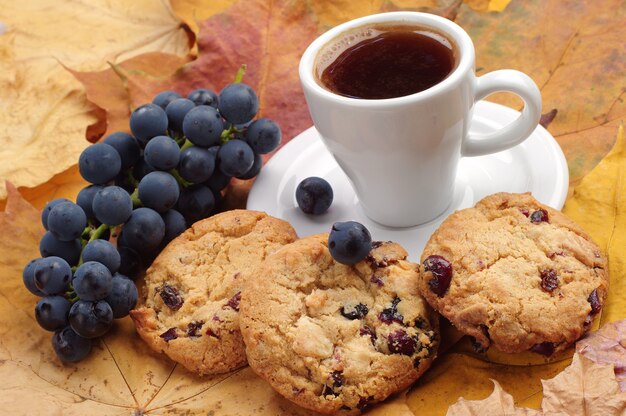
(392, 64)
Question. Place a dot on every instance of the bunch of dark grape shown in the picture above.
(146, 189)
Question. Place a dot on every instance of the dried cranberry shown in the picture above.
(295, 390)
(210, 333)
(364, 402)
(545, 348)
(358, 311)
(549, 280)
(541, 215)
(441, 270)
(369, 331)
(525, 212)
(171, 297)
(421, 323)
(169, 335)
(234, 301)
(193, 327)
(594, 301)
(400, 343)
(337, 378)
(390, 314)
(377, 280)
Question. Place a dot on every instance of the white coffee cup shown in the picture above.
(401, 154)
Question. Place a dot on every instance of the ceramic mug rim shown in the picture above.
(440, 24)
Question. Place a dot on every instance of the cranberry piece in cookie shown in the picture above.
(357, 311)
(441, 270)
(594, 301)
(549, 280)
(541, 215)
(171, 297)
(390, 314)
(545, 348)
(401, 343)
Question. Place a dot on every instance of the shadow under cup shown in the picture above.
(395, 126)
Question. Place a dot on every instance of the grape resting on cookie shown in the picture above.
(515, 275)
(336, 338)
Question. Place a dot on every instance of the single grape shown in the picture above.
(263, 135)
(28, 276)
(176, 112)
(163, 98)
(148, 121)
(91, 319)
(112, 205)
(126, 146)
(159, 191)
(103, 252)
(235, 158)
(162, 153)
(195, 203)
(202, 96)
(314, 195)
(144, 230)
(123, 296)
(174, 225)
(349, 242)
(238, 103)
(92, 281)
(255, 169)
(196, 164)
(46, 210)
(84, 199)
(67, 221)
(69, 346)
(69, 251)
(51, 312)
(141, 169)
(99, 163)
(203, 126)
(130, 261)
(52, 275)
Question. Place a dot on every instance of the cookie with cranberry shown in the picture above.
(190, 305)
(336, 338)
(515, 275)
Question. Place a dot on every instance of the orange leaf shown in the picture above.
(574, 51)
(44, 110)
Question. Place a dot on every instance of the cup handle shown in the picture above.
(476, 144)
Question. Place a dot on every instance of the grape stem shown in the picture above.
(135, 198)
(181, 181)
(240, 73)
(131, 178)
(94, 234)
(186, 145)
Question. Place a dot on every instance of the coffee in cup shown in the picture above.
(377, 62)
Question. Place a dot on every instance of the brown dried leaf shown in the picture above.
(44, 111)
(583, 388)
(499, 403)
(607, 346)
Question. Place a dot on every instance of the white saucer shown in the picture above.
(537, 166)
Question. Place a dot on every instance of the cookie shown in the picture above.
(514, 274)
(190, 307)
(335, 338)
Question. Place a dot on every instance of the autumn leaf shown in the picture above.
(499, 403)
(584, 387)
(599, 205)
(574, 51)
(607, 346)
(44, 112)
